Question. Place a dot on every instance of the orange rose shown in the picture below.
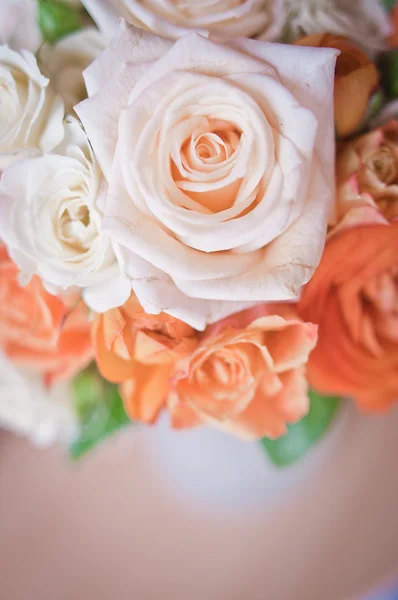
(393, 39)
(367, 172)
(139, 350)
(247, 376)
(39, 330)
(353, 296)
(356, 78)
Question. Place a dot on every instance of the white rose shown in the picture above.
(223, 19)
(65, 61)
(31, 116)
(220, 162)
(364, 21)
(50, 219)
(28, 408)
(18, 24)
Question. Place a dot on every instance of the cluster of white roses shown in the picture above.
(205, 181)
(198, 172)
(365, 20)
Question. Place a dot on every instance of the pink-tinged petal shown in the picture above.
(239, 320)
(352, 184)
(371, 143)
(356, 217)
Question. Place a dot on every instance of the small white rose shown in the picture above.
(19, 27)
(364, 21)
(220, 163)
(28, 408)
(222, 19)
(65, 62)
(50, 219)
(31, 116)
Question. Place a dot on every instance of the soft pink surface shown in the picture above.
(107, 529)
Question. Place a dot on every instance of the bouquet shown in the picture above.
(198, 216)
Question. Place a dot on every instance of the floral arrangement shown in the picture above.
(198, 216)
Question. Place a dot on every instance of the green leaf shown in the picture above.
(99, 408)
(389, 4)
(388, 65)
(375, 104)
(301, 436)
(57, 19)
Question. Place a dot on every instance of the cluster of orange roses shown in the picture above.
(249, 374)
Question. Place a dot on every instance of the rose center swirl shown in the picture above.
(75, 226)
(206, 157)
(383, 163)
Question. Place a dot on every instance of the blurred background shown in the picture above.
(126, 523)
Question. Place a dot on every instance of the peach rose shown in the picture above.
(356, 77)
(364, 21)
(367, 172)
(247, 376)
(38, 330)
(139, 351)
(353, 296)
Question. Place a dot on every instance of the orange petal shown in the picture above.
(182, 415)
(393, 39)
(267, 416)
(113, 324)
(290, 348)
(147, 345)
(112, 367)
(144, 395)
(351, 97)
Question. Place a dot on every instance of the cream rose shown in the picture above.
(220, 166)
(65, 61)
(223, 19)
(31, 116)
(50, 220)
(18, 24)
